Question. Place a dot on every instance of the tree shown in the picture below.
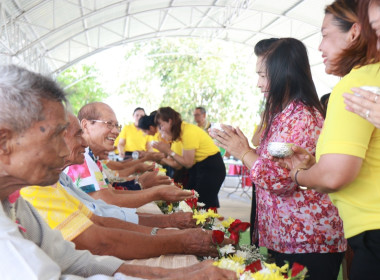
(81, 83)
(191, 73)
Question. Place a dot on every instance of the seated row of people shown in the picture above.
(34, 152)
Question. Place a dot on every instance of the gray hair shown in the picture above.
(21, 92)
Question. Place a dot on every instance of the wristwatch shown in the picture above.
(172, 154)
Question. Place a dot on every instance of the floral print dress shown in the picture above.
(291, 220)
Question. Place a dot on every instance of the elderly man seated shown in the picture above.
(32, 152)
(100, 129)
(108, 236)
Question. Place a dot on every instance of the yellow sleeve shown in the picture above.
(345, 132)
(59, 209)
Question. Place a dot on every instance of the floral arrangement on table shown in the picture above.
(245, 260)
(260, 270)
(188, 205)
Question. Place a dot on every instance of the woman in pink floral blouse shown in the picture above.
(295, 225)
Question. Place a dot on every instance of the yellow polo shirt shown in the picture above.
(347, 133)
(135, 139)
(59, 209)
(195, 138)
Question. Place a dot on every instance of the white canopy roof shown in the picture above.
(51, 35)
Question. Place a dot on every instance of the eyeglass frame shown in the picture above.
(109, 124)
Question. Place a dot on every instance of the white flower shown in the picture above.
(200, 204)
(218, 227)
(202, 211)
(184, 207)
(227, 249)
(242, 254)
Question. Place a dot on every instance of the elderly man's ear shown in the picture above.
(5, 142)
(84, 124)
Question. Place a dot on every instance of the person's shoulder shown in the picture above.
(366, 71)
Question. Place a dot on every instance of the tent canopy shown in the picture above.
(50, 35)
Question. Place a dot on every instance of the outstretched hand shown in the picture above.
(172, 193)
(182, 220)
(203, 271)
(199, 242)
(151, 179)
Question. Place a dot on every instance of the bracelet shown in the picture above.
(242, 158)
(154, 231)
(295, 175)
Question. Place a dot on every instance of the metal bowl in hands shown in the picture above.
(280, 149)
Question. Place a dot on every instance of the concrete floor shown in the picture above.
(234, 202)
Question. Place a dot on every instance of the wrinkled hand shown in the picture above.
(171, 193)
(199, 242)
(162, 147)
(204, 271)
(300, 159)
(151, 179)
(366, 103)
(182, 220)
(142, 167)
(232, 140)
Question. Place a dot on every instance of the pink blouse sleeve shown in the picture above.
(299, 127)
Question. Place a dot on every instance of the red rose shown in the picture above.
(296, 269)
(238, 226)
(254, 267)
(217, 236)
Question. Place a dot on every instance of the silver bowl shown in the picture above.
(280, 149)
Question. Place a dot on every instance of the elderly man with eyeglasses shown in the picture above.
(100, 137)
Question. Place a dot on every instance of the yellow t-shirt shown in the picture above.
(195, 138)
(135, 139)
(347, 133)
(177, 147)
(59, 209)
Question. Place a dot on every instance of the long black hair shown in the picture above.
(289, 75)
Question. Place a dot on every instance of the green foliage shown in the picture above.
(82, 85)
(194, 73)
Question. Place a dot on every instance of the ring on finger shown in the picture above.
(367, 114)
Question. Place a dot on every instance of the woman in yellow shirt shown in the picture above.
(348, 149)
(199, 154)
(131, 138)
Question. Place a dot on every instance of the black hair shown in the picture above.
(138, 109)
(289, 76)
(264, 45)
(145, 122)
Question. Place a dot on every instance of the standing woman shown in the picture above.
(131, 138)
(200, 155)
(348, 150)
(294, 224)
(370, 107)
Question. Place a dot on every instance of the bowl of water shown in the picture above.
(280, 149)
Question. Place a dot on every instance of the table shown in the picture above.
(235, 168)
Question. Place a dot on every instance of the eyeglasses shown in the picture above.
(110, 125)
